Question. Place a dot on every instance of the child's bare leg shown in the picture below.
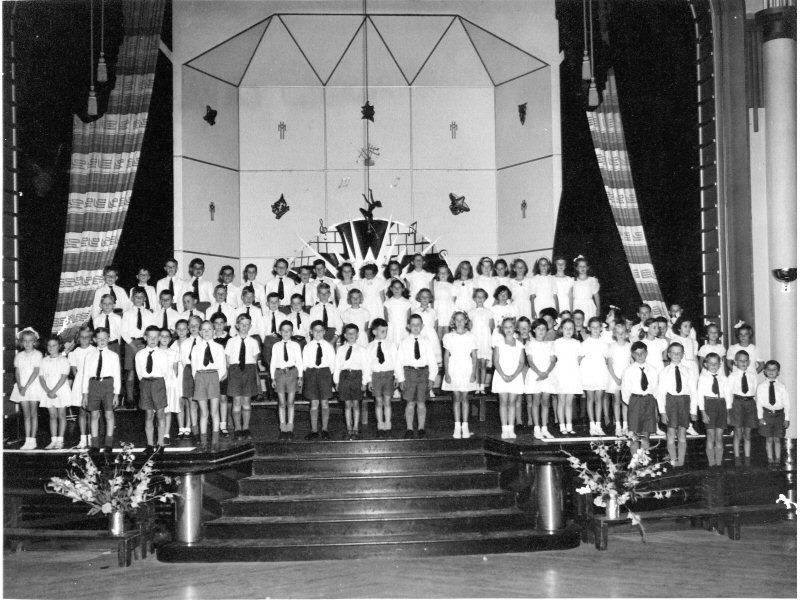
(681, 445)
(223, 413)
(246, 412)
(456, 408)
(747, 432)
(110, 423)
(214, 408)
(52, 412)
(535, 409)
(518, 409)
(326, 414)
(161, 418)
(356, 415)
(290, 411)
(348, 415)
(464, 407)
(568, 411)
(203, 406)
(606, 405)
(313, 414)
(422, 412)
(282, 410)
(719, 447)
(673, 453)
(148, 426)
(387, 412)
(737, 440)
(711, 446)
(167, 422)
(410, 404)
(82, 420)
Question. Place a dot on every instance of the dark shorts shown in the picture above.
(774, 426)
(152, 393)
(350, 385)
(743, 413)
(642, 414)
(266, 349)
(416, 384)
(286, 380)
(188, 382)
(717, 413)
(206, 385)
(317, 384)
(101, 394)
(678, 410)
(383, 384)
(243, 383)
(130, 353)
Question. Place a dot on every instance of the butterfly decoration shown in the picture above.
(210, 116)
(458, 204)
(523, 112)
(372, 204)
(368, 112)
(280, 207)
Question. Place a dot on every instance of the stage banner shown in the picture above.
(608, 136)
(105, 157)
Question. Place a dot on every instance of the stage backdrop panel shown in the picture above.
(532, 182)
(219, 143)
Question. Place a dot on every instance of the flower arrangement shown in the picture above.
(119, 487)
(790, 505)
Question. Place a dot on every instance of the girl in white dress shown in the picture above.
(345, 284)
(713, 344)
(618, 358)
(509, 360)
(27, 391)
(482, 320)
(186, 338)
(393, 272)
(358, 315)
(502, 309)
(566, 374)
(464, 287)
(524, 336)
(520, 286)
(444, 297)
(172, 382)
(501, 275)
(613, 316)
(484, 279)
(682, 333)
(541, 360)
(543, 288)
(594, 374)
(396, 311)
(585, 290)
(460, 364)
(372, 290)
(564, 285)
(418, 278)
(56, 394)
(76, 358)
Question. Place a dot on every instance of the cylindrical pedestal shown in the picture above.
(189, 509)
(549, 492)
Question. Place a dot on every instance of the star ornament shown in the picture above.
(368, 112)
(280, 207)
(210, 116)
(458, 204)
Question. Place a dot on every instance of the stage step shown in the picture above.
(366, 447)
(389, 463)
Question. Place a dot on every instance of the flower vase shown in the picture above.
(116, 523)
(612, 506)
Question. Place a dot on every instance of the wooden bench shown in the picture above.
(721, 518)
(127, 544)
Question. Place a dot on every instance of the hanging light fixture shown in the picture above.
(91, 106)
(586, 66)
(594, 96)
(102, 71)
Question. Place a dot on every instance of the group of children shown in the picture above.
(399, 333)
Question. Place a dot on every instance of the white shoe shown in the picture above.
(465, 432)
(26, 445)
(546, 434)
(625, 427)
(431, 394)
(599, 429)
(84, 443)
(562, 430)
(660, 433)
(537, 433)
(59, 444)
(51, 445)
(691, 430)
(504, 432)
(396, 394)
(457, 431)
(618, 430)
(570, 430)
(511, 434)
(592, 428)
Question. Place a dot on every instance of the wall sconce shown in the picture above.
(785, 276)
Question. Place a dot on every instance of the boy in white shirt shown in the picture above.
(639, 387)
(110, 321)
(221, 305)
(677, 402)
(351, 376)
(715, 400)
(171, 282)
(321, 276)
(325, 310)
(110, 287)
(281, 284)
(307, 288)
(382, 356)
(744, 414)
(249, 281)
(152, 367)
(134, 323)
(242, 352)
(286, 371)
(166, 316)
(101, 386)
(233, 291)
(209, 368)
(416, 373)
(319, 359)
(203, 288)
(772, 400)
(142, 279)
(189, 301)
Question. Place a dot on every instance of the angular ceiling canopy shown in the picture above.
(329, 49)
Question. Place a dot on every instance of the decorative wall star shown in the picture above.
(457, 204)
(210, 116)
(368, 112)
(280, 207)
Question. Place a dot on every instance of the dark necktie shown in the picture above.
(715, 386)
(274, 329)
(194, 343)
(108, 325)
(149, 366)
(324, 317)
(416, 349)
(113, 293)
(349, 353)
(745, 387)
(644, 383)
(207, 358)
(146, 300)
(196, 287)
(678, 382)
(219, 308)
(298, 320)
(165, 324)
(171, 287)
(241, 354)
(99, 365)
(285, 353)
(280, 288)
(319, 354)
(248, 311)
(772, 393)
(381, 357)
(138, 318)
(304, 295)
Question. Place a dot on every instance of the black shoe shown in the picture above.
(281, 436)
(167, 441)
(356, 435)
(325, 435)
(409, 434)
(246, 434)
(381, 434)
(159, 450)
(290, 435)
(348, 435)
(420, 433)
(311, 436)
(148, 450)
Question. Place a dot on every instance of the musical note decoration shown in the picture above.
(372, 204)
(323, 230)
(523, 112)
(458, 204)
(368, 112)
(280, 207)
(210, 116)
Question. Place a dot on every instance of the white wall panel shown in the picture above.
(532, 182)
(391, 188)
(202, 185)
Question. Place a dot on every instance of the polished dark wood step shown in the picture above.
(365, 447)
(387, 463)
(369, 504)
(493, 542)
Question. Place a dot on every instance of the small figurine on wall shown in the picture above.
(280, 207)
(524, 207)
(282, 129)
(210, 116)
(212, 208)
(523, 112)
(458, 204)
(453, 130)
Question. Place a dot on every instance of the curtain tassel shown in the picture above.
(102, 71)
(594, 96)
(586, 68)
(91, 106)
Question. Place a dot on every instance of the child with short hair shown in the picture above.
(273, 318)
(772, 400)
(249, 282)
(566, 374)
(233, 293)
(110, 288)
(618, 357)
(109, 320)
(320, 267)
(682, 333)
(656, 346)
(325, 310)
(171, 283)
(594, 375)
(187, 337)
(482, 319)
(345, 284)
(77, 358)
(306, 287)
(221, 337)
(382, 360)
(134, 323)
(714, 399)
(221, 304)
(286, 372)
(189, 302)
(539, 385)
(524, 336)
(259, 327)
(300, 320)
(202, 288)
(142, 281)
(460, 366)
(643, 314)
(744, 415)
(744, 335)
(242, 352)
(101, 386)
(663, 328)
(713, 344)
(639, 387)
(371, 287)
(166, 316)
(396, 311)
(416, 372)
(53, 373)
(173, 382)
(281, 284)
(152, 368)
(677, 402)
(550, 317)
(209, 370)
(356, 314)
(578, 320)
(319, 360)
(351, 375)
(508, 359)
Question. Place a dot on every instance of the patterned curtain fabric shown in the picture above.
(105, 157)
(608, 137)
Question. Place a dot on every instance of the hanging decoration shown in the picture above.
(102, 71)
(91, 105)
(522, 109)
(453, 130)
(210, 116)
(524, 207)
(368, 112)
(367, 153)
(372, 204)
(586, 66)
(458, 204)
(280, 207)
(593, 98)
(323, 230)
(212, 208)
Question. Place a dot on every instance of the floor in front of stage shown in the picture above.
(682, 563)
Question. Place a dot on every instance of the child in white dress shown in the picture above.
(594, 374)
(520, 286)
(444, 297)
(539, 383)
(502, 309)
(372, 290)
(618, 357)
(484, 279)
(56, 394)
(418, 278)
(564, 284)
(460, 362)
(344, 285)
(172, 381)
(464, 288)
(358, 315)
(509, 360)
(76, 358)
(543, 288)
(501, 276)
(713, 344)
(27, 390)
(396, 311)
(482, 320)
(585, 290)
(566, 374)
(393, 272)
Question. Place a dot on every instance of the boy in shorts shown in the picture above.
(319, 360)
(152, 369)
(101, 386)
(242, 353)
(744, 416)
(772, 400)
(416, 373)
(639, 383)
(351, 376)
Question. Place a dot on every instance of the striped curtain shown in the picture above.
(105, 157)
(608, 137)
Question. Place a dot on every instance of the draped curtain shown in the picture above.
(608, 136)
(105, 157)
